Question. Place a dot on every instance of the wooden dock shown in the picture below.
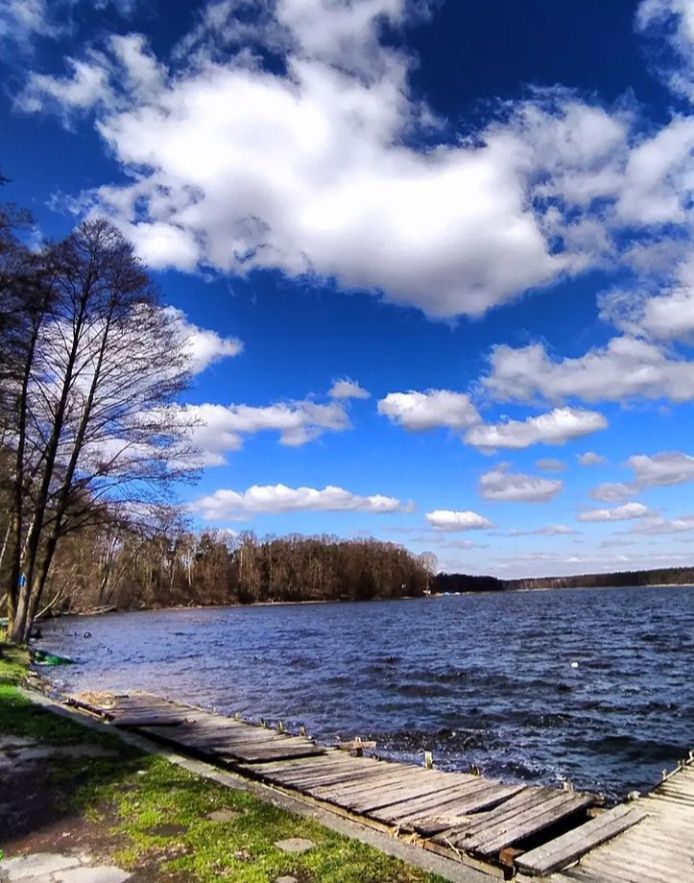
(529, 831)
(655, 842)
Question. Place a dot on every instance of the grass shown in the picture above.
(155, 816)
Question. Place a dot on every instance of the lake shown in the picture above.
(591, 685)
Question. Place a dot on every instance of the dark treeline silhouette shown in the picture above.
(460, 582)
(660, 576)
(113, 567)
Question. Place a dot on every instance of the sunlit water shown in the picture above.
(591, 685)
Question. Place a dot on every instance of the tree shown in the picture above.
(89, 400)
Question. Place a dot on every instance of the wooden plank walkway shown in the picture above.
(657, 846)
(536, 832)
(459, 815)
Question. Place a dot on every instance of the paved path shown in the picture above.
(55, 867)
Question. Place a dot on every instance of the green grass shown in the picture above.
(133, 795)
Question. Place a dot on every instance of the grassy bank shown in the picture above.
(90, 791)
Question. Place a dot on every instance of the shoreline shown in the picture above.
(322, 601)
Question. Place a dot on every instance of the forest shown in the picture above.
(662, 576)
(460, 582)
(117, 567)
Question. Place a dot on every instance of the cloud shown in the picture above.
(311, 169)
(452, 230)
(626, 368)
(221, 428)
(229, 505)
(347, 389)
(86, 85)
(23, 20)
(627, 512)
(549, 464)
(500, 484)
(660, 525)
(666, 468)
(673, 20)
(590, 458)
(203, 345)
(449, 520)
(613, 492)
(664, 310)
(554, 428)
(428, 410)
(550, 530)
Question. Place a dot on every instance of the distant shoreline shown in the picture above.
(308, 602)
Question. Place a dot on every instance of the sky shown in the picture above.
(432, 260)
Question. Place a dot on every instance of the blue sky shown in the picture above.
(433, 260)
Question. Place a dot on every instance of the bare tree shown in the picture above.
(90, 402)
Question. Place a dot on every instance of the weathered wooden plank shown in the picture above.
(647, 862)
(528, 797)
(471, 800)
(327, 773)
(633, 870)
(191, 735)
(323, 777)
(390, 814)
(271, 752)
(330, 758)
(454, 815)
(390, 776)
(465, 809)
(569, 847)
(531, 822)
(395, 796)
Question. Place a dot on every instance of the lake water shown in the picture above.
(591, 685)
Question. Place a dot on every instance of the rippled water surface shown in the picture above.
(591, 685)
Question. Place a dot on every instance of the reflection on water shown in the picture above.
(594, 686)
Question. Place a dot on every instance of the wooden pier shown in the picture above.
(527, 831)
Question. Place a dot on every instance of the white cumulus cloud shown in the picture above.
(451, 520)
(230, 505)
(203, 345)
(554, 428)
(233, 165)
(612, 492)
(627, 512)
(549, 530)
(549, 464)
(347, 389)
(660, 525)
(626, 368)
(430, 409)
(666, 468)
(221, 428)
(500, 484)
(590, 458)
(674, 20)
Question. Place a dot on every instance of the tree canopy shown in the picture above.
(93, 366)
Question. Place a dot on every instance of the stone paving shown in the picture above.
(55, 867)
(295, 845)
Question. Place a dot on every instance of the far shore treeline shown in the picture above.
(126, 569)
(460, 582)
